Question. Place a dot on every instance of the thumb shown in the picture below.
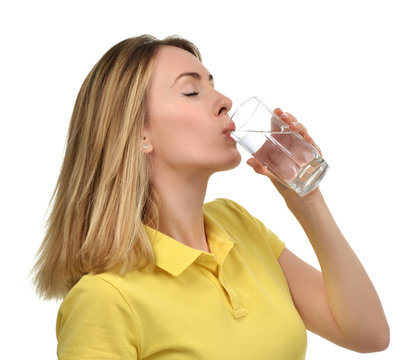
(257, 166)
(262, 170)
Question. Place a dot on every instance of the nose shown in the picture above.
(224, 105)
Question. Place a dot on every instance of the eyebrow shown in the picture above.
(194, 75)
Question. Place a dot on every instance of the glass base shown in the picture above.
(309, 177)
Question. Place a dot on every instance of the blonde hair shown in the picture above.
(103, 195)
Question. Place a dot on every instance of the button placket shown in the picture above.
(220, 251)
(215, 280)
(237, 306)
(208, 262)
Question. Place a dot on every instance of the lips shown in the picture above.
(230, 127)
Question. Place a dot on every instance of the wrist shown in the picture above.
(302, 205)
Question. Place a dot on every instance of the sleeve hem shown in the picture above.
(278, 248)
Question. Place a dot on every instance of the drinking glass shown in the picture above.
(291, 159)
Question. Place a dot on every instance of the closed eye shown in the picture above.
(191, 94)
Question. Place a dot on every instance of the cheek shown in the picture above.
(182, 130)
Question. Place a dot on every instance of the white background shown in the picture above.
(339, 66)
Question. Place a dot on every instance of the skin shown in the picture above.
(186, 146)
(185, 142)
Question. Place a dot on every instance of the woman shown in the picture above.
(146, 269)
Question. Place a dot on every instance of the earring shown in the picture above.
(145, 146)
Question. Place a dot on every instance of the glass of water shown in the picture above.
(290, 158)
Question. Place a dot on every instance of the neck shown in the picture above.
(180, 208)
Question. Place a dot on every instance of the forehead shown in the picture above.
(171, 61)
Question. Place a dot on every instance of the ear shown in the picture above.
(146, 145)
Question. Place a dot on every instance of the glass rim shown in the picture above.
(247, 100)
(259, 101)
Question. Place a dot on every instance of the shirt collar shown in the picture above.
(174, 256)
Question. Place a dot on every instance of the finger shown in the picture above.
(287, 118)
(275, 119)
(298, 127)
(310, 140)
(278, 112)
(259, 168)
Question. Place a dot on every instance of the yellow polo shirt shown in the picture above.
(233, 303)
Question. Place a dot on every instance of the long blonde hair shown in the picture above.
(103, 195)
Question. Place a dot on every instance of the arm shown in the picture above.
(340, 303)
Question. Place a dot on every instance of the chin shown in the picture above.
(232, 162)
(237, 159)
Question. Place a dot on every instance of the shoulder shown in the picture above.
(228, 211)
(93, 295)
(239, 222)
(94, 288)
(226, 207)
(95, 310)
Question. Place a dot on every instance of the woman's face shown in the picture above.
(187, 116)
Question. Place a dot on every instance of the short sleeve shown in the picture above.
(95, 322)
(276, 244)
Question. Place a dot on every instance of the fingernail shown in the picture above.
(284, 115)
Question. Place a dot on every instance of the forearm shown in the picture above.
(350, 294)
